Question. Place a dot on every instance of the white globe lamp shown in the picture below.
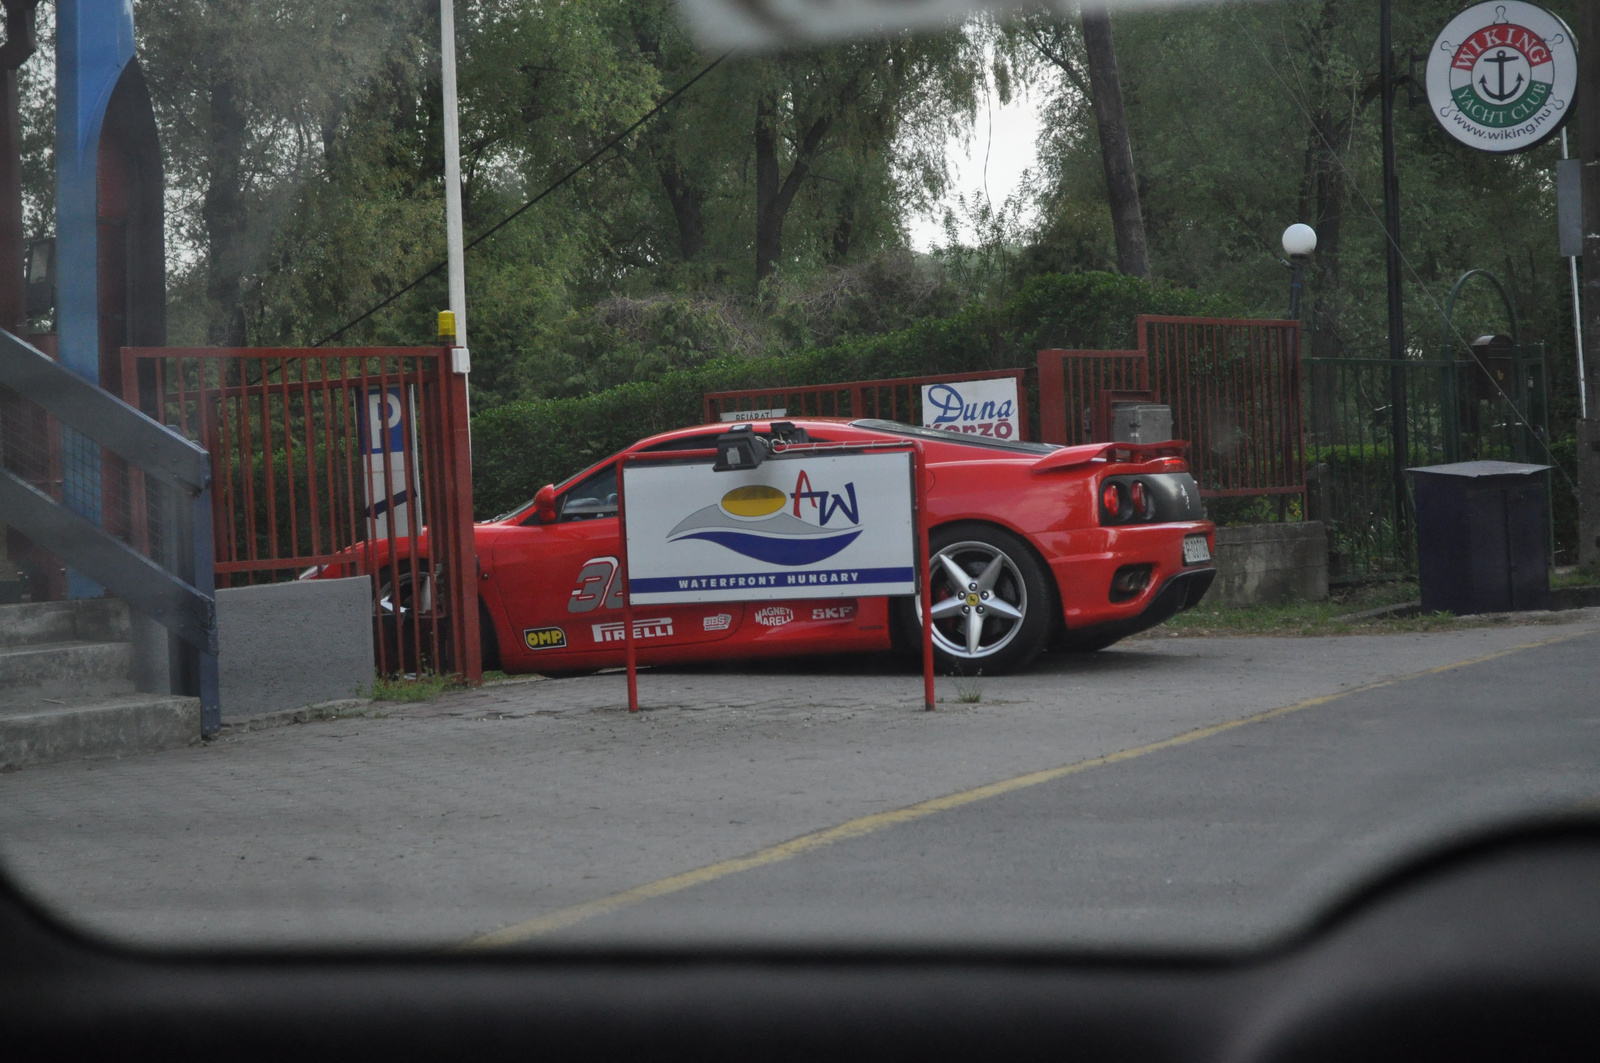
(1299, 240)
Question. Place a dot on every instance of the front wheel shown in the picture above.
(991, 600)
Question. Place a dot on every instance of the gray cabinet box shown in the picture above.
(1483, 536)
(1140, 422)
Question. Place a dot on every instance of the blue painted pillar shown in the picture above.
(94, 41)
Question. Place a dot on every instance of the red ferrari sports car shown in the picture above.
(1033, 545)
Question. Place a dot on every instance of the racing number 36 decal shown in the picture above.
(597, 582)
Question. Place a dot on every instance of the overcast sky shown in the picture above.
(1008, 144)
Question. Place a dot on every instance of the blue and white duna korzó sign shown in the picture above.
(808, 526)
(976, 407)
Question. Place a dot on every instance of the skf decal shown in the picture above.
(833, 612)
(719, 622)
(545, 638)
(774, 616)
(642, 629)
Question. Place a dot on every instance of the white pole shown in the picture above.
(452, 183)
(1577, 318)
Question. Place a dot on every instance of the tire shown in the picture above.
(1007, 594)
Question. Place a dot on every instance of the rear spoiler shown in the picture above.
(1111, 453)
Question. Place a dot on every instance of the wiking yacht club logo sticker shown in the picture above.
(1502, 76)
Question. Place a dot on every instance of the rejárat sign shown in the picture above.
(1503, 76)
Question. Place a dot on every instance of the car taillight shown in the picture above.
(1140, 499)
(1111, 498)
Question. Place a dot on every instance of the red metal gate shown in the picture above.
(306, 479)
(1234, 389)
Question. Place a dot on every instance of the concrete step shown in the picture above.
(86, 620)
(65, 669)
(46, 733)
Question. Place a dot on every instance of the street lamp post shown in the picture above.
(1299, 241)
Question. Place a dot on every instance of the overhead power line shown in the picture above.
(509, 218)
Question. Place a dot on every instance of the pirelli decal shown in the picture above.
(545, 638)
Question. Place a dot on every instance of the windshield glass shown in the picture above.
(966, 439)
(268, 678)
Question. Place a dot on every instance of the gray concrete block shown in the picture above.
(1268, 564)
(87, 620)
(114, 727)
(64, 669)
(286, 645)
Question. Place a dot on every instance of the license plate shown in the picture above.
(1195, 549)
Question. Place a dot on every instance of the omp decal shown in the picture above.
(773, 616)
(833, 612)
(719, 622)
(751, 521)
(642, 629)
(596, 582)
(545, 638)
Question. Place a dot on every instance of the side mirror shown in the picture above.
(544, 504)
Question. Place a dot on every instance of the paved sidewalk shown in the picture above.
(439, 821)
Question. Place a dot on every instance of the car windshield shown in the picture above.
(271, 678)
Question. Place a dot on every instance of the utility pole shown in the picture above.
(1588, 119)
(454, 236)
(1392, 262)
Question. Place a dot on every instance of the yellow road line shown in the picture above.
(855, 828)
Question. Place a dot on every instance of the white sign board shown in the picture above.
(389, 497)
(1503, 76)
(807, 526)
(976, 407)
(755, 415)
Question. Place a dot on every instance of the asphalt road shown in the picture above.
(1176, 793)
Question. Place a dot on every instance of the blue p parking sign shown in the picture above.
(391, 492)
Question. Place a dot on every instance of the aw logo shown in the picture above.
(802, 527)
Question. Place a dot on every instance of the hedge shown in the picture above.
(522, 445)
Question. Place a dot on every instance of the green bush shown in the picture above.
(522, 445)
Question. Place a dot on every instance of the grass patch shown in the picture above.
(1311, 618)
(969, 691)
(1331, 617)
(425, 688)
(1576, 577)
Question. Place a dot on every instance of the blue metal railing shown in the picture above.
(122, 500)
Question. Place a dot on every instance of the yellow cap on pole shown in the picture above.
(447, 324)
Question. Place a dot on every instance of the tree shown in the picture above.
(1089, 60)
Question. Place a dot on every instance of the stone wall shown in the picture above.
(287, 645)
(1269, 564)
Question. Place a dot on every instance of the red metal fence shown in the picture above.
(1234, 389)
(896, 399)
(1071, 382)
(352, 458)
